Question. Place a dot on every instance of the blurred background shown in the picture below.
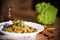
(24, 9)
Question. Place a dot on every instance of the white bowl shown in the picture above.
(39, 27)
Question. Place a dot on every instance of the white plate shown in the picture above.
(39, 27)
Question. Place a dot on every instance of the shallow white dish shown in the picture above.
(39, 27)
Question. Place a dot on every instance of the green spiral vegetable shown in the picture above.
(46, 13)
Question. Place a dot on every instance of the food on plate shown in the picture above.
(46, 13)
(19, 27)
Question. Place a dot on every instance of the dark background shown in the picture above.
(56, 3)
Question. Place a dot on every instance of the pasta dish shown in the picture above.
(19, 27)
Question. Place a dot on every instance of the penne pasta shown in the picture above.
(20, 28)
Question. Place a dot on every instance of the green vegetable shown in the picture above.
(38, 8)
(19, 23)
(46, 13)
